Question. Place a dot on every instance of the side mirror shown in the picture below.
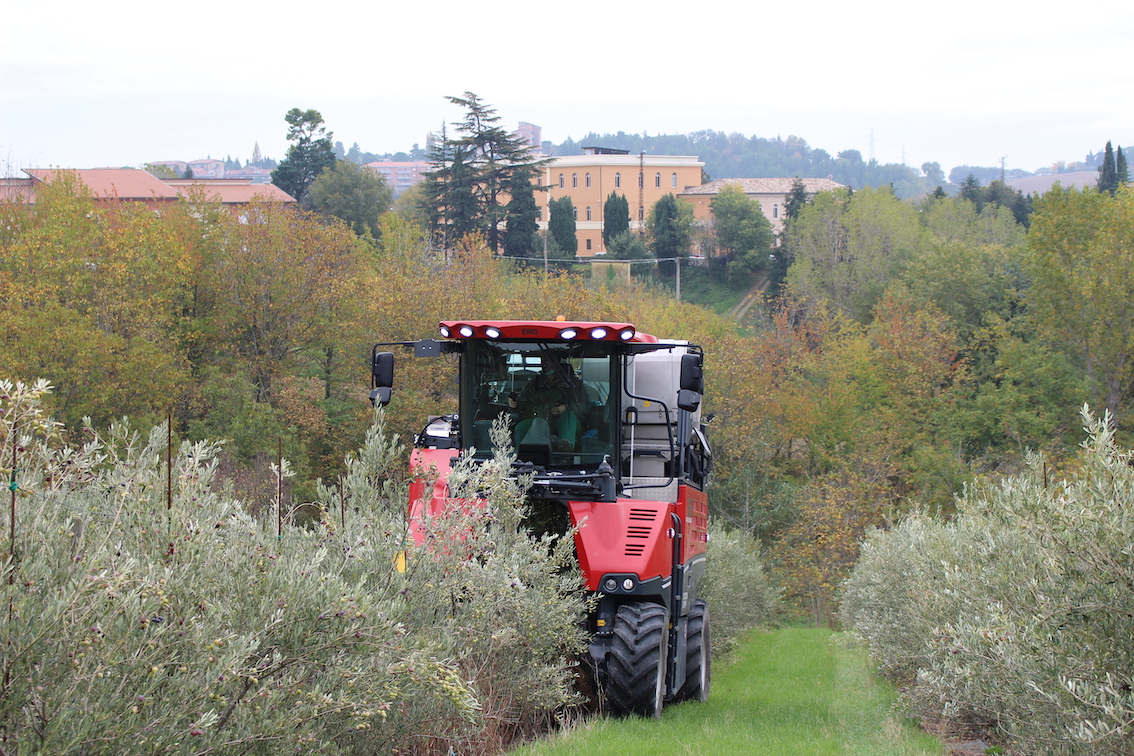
(382, 368)
(688, 400)
(692, 382)
(381, 378)
(692, 373)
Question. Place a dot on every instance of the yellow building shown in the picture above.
(588, 179)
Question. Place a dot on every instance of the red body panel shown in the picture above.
(624, 536)
(635, 535)
(693, 509)
(425, 463)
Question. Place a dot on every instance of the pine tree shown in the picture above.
(973, 192)
(309, 154)
(450, 191)
(1121, 175)
(490, 156)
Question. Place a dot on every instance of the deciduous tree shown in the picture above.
(743, 230)
(352, 193)
(847, 249)
(1080, 255)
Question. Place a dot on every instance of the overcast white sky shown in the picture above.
(85, 84)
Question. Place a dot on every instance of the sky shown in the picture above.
(86, 85)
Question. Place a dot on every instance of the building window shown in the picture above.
(588, 181)
(775, 211)
(575, 213)
(539, 214)
(641, 213)
(588, 212)
(560, 180)
(588, 243)
(574, 181)
(618, 181)
(673, 181)
(641, 180)
(657, 181)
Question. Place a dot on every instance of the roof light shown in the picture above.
(626, 334)
(598, 333)
(465, 331)
(568, 334)
(492, 333)
(445, 331)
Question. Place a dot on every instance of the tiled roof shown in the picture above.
(765, 185)
(231, 191)
(16, 190)
(120, 183)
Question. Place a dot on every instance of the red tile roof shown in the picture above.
(230, 191)
(106, 183)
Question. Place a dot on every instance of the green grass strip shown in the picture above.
(796, 691)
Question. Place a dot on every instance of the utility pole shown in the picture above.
(642, 193)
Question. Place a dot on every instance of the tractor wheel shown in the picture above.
(633, 677)
(698, 656)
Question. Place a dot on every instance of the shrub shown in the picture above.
(736, 586)
(1019, 613)
(141, 623)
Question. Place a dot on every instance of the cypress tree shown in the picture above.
(561, 226)
(1121, 175)
(1108, 174)
(795, 200)
(615, 217)
(521, 231)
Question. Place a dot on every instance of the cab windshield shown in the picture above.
(555, 397)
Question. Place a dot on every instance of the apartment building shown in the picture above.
(588, 179)
(400, 175)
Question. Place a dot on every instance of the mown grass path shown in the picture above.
(788, 692)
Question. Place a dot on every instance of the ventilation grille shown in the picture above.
(638, 533)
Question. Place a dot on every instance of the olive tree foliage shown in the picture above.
(1017, 613)
(847, 248)
(141, 623)
(353, 193)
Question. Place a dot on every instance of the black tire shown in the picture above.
(698, 655)
(633, 677)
